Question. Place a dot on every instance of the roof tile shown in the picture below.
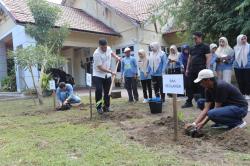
(76, 19)
(139, 10)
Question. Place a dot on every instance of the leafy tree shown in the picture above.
(46, 53)
(45, 16)
(227, 18)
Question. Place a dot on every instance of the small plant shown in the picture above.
(8, 84)
(180, 116)
(45, 78)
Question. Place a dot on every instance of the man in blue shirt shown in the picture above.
(65, 96)
(129, 72)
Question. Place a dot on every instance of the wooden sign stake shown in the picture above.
(175, 117)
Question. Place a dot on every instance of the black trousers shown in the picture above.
(243, 80)
(131, 86)
(146, 86)
(102, 85)
(194, 88)
(158, 87)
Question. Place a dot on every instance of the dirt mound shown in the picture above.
(236, 140)
(169, 122)
(161, 132)
(122, 115)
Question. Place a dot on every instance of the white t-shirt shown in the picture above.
(104, 59)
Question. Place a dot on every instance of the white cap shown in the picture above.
(213, 45)
(127, 49)
(204, 74)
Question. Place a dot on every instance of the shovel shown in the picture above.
(114, 95)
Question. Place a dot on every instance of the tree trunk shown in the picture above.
(39, 94)
(40, 81)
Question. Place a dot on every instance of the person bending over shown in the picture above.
(230, 106)
(65, 97)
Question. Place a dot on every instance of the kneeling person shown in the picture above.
(65, 97)
(230, 107)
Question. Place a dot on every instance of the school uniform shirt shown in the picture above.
(142, 73)
(158, 71)
(129, 67)
(213, 62)
(102, 59)
(175, 65)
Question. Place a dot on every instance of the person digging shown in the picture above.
(224, 104)
(66, 98)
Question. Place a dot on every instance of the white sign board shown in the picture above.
(52, 85)
(89, 79)
(173, 84)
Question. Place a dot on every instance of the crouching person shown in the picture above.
(230, 107)
(66, 98)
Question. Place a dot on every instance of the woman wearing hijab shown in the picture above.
(213, 48)
(224, 61)
(174, 65)
(144, 77)
(157, 65)
(242, 65)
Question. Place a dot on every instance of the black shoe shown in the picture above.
(187, 105)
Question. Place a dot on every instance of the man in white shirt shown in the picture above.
(102, 75)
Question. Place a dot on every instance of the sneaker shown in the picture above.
(100, 111)
(108, 109)
(145, 101)
(247, 97)
(242, 125)
(219, 126)
(187, 105)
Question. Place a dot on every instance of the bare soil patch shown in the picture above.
(123, 115)
(160, 132)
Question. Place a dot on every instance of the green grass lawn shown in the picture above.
(34, 136)
(31, 135)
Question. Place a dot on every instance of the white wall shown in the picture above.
(20, 38)
(3, 61)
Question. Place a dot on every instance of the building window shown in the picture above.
(163, 48)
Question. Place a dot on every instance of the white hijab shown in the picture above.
(241, 51)
(143, 61)
(155, 56)
(225, 51)
(176, 55)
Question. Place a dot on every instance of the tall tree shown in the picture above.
(49, 40)
(214, 18)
